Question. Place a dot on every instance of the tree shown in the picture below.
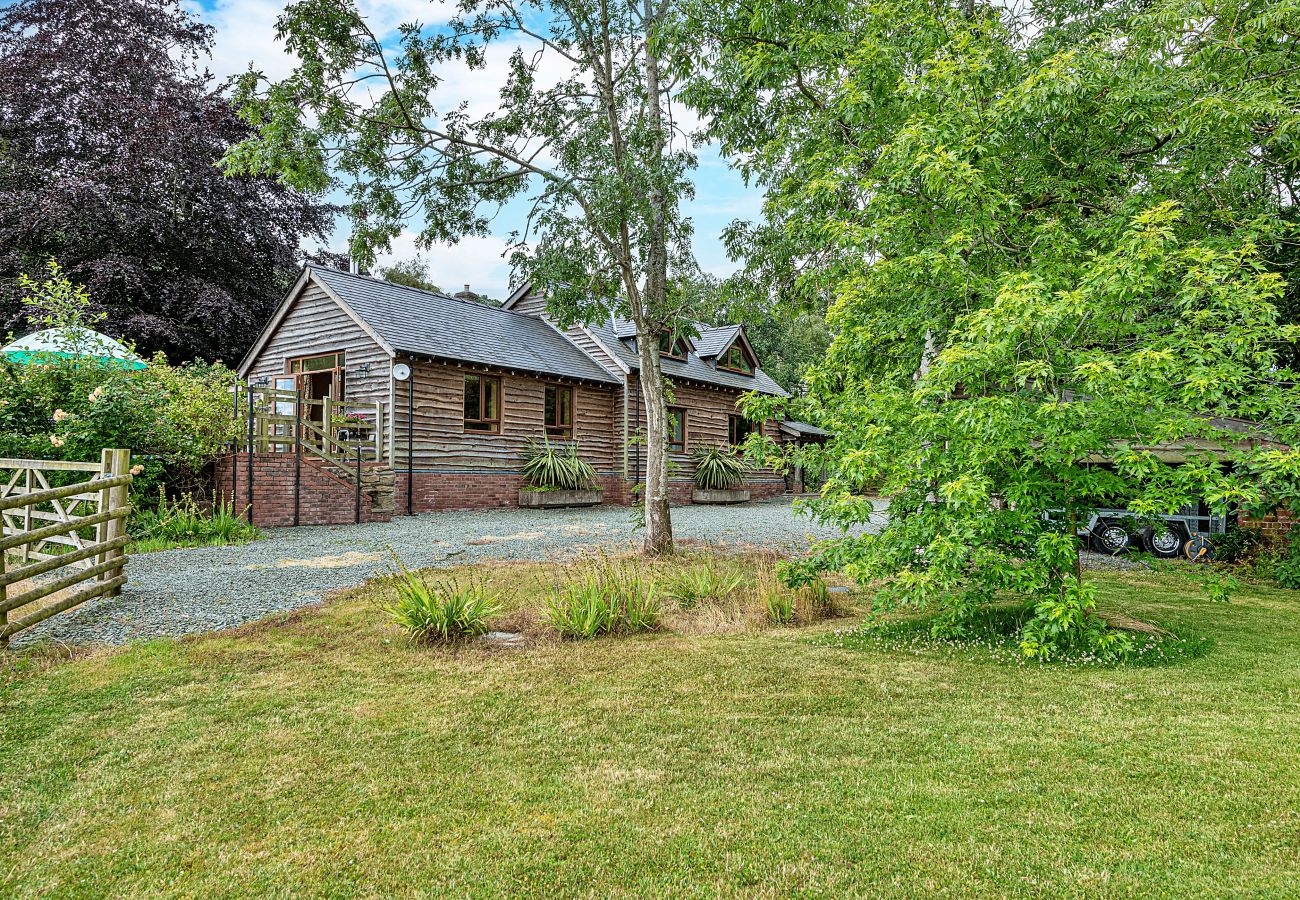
(1047, 232)
(594, 149)
(412, 272)
(110, 132)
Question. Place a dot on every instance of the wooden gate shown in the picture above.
(78, 527)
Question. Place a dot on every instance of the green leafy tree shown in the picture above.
(1047, 231)
(412, 272)
(593, 150)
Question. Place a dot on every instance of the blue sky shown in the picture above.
(246, 34)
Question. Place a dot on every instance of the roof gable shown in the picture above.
(615, 338)
(282, 311)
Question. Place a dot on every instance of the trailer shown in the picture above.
(1190, 532)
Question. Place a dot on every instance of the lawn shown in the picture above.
(320, 754)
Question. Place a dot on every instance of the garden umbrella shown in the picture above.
(71, 343)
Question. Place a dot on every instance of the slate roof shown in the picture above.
(427, 324)
(693, 368)
(713, 341)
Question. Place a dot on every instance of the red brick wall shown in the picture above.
(323, 499)
(1274, 525)
(435, 491)
(327, 500)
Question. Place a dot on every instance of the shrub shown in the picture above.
(719, 468)
(442, 612)
(1236, 544)
(609, 598)
(548, 467)
(1286, 567)
(181, 523)
(173, 419)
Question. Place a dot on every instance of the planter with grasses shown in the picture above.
(554, 475)
(719, 476)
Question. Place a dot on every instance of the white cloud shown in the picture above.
(475, 261)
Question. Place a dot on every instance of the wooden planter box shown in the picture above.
(735, 495)
(553, 499)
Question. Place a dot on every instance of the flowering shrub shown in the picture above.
(173, 419)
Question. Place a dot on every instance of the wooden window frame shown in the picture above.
(673, 344)
(493, 424)
(744, 355)
(294, 366)
(672, 447)
(563, 432)
(750, 428)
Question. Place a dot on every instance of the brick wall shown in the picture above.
(435, 491)
(323, 499)
(1274, 525)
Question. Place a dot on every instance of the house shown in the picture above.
(483, 381)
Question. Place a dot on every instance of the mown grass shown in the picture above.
(322, 754)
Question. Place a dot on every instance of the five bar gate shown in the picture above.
(80, 527)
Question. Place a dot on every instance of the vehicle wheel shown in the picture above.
(1198, 549)
(1163, 541)
(1110, 538)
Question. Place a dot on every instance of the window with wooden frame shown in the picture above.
(558, 411)
(736, 360)
(319, 376)
(676, 429)
(671, 346)
(483, 403)
(739, 428)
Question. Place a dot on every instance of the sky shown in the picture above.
(245, 33)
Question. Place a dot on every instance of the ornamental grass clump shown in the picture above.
(704, 583)
(609, 598)
(441, 612)
(548, 467)
(719, 468)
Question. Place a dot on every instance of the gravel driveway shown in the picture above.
(178, 592)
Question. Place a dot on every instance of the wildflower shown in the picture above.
(96, 394)
(137, 469)
(61, 414)
(56, 441)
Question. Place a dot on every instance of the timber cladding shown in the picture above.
(708, 411)
(315, 324)
(440, 438)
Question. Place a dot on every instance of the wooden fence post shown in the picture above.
(118, 497)
(4, 595)
(105, 504)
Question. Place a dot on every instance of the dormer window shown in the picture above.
(735, 359)
(671, 347)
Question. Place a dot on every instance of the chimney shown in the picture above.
(467, 290)
(353, 266)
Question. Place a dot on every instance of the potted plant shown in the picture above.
(719, 476)
(557, 476)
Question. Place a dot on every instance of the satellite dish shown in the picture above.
(401, 372)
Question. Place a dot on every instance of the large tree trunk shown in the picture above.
(658, 520)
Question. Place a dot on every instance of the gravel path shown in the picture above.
(177, 592)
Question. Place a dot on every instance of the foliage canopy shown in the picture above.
(1049, 232)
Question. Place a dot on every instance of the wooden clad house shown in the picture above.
(484, 380)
